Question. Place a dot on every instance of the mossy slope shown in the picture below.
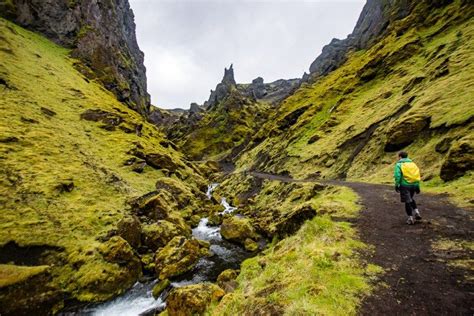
(316, 271)
(412, 90)
(72, 156)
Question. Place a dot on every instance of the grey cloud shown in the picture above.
(187, 44)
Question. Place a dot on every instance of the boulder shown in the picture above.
(154, 207)
(403, 132)
(162, 161)
(158, 234)
(250, 245)
(459, 160)
(117, 250)
(160, 287)
(129, 229)
(193, 299)
(227, 280)
(177, 257)
(237, 229)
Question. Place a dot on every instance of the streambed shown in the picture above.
(139, 299)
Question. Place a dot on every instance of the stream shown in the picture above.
(139, 299)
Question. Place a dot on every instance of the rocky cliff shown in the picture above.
(377, 19)
(100, 33)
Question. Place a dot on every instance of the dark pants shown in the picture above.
(406, 196)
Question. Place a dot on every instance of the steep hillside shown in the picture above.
(100, 33)
(411, 90)
(84, 180)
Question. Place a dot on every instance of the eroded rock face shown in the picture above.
(101, 34)
(193, 299)
(26, 290)
(459, 160)
(178, 256)
(404, 131)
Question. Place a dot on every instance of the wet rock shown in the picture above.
(129, 228)
(404, 131)
(459, 160)
(158, 234)
(177, 257)
(237, 229)
(160, 287)
(193, 299)
(227, 280)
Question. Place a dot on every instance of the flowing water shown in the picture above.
(139, 299)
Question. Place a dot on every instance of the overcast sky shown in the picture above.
(187, 44)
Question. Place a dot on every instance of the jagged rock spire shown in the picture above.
(229, 76)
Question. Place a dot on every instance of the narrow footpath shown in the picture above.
(418, 280)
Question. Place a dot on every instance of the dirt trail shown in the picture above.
(419, 280)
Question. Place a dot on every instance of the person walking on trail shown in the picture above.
(407, 183)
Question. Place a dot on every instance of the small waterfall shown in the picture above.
(139, 299)
(211, 187)
(228, 209)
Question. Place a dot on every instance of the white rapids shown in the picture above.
(137, 300)
(228, 209)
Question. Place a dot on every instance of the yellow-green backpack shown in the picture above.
(410, 172)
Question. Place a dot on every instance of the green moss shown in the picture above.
(349, 121)
(52, 151)
(12, 274)
(314, 272)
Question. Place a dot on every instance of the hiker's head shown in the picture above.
(402, 154)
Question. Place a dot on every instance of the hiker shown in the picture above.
(407, 183)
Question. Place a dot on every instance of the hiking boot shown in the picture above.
(410, 220)
(417, 215)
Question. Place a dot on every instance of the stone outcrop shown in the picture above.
(459, 160)
(193, 299)
(375, 21)
(100, 33)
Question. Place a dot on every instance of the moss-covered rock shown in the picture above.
(226, 280)
(250, 245)
(459, 159)
(158, 234)
(238, 229)
(129, 229)
(178, 256)
(160, 287)
(193, 299)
